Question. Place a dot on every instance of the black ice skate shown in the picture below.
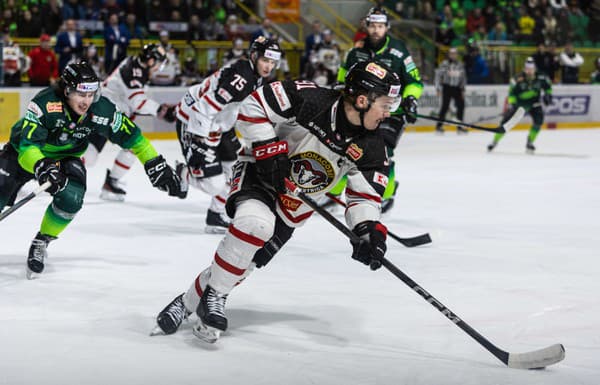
(461, 130)
(111, 191)
(182, 171)
(37, 254)
(211, 316)
(529, 147)
(171, 317)
(439, 130)
(216, 222)
(491, 146)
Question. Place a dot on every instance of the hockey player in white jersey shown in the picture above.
(313, 136)
(205, 118)
(126, 88)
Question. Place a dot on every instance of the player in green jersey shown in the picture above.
(526, 91)
(47, 143)
(383, 48)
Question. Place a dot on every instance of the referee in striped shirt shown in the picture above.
(450, 80)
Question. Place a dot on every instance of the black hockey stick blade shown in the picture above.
(22, 202)
(496, 130)
(537, 359)
(418, 240)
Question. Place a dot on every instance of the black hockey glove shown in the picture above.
(198, 153)
(409, 106)
(46, 170)
(547, 99)
(392, 129)
(371, 248)
(272, 162)
(167, 112)
(162, 176)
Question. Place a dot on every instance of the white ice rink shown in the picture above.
(515, 253)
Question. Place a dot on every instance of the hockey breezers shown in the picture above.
(504, 128)
(22, 202)
(418, 240)
(537, 359)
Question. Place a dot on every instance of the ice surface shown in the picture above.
(516, 254)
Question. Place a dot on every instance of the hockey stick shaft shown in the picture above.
(462, 124)
(355, 239)
(418, 240)
(22, 202)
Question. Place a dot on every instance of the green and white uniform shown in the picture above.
(50, 129)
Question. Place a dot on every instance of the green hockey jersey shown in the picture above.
(49, 129)
(525, 92)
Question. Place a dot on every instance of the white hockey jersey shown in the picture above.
(211, 107)
(126, 88)
(323, 147)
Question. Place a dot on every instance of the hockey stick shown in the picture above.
(537, 359)
(29, 197)
(418, 240)
(462, 124)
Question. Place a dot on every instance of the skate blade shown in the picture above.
(31, 274)
(206, 333)
(157, 331)
(110, 196)
(215, 230)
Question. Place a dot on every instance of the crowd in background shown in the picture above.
(464, 23)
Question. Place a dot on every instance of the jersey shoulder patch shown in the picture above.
(280, 96)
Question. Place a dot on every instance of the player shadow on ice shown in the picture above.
(541, 154)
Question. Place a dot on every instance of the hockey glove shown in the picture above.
(392, 129)
(371, 248)
(166, 112)
(547, 99)
(162, 176)
(46, 170)
(272, 162)
(409, 106)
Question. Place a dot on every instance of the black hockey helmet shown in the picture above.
(152, 51)
(80, 77)
(372, 79)
(268, 48)
(378, 15)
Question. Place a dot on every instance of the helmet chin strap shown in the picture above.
(362, 112)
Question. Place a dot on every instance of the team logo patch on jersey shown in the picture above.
(224, 94)
(33, 107)
(376, 70)
(311, 172)
(280, 96)
(54, 107)
(289, 203)
(188, 99)
(354, 152)
(380, 179)
(395, 52)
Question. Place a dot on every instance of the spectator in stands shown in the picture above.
(92, 10)
(170, 73)
(309, 44)
(219, 12)
(558, 4)
(15, 63)
(8, 22)
(570, 61)
(476, 66)
(491, 16)
(266, 30)
(26, 27)
(200, 8)
(116, 41)
(52, 17)
(498, 33)
(324, 61)
(233, 29)
(190, 74)
(108, 8)
(578, 22)
(444, 35)
(71, 9)
(526, 26)
(177, 5)
(550, 25)
(361, 32)
(474, 20)
(177, 18)
(156, 12)
(69, 45)
(195, 29)
(43, 70)
(135, 30)
(213, 30)
(236, 52)
(545, 62)
(459, 23)
(564, 31)
(90, 55)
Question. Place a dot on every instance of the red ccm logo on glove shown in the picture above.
(270, 149)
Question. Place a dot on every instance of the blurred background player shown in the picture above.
(205, 117)
(525, 91)
(450, 80)
(313, 136)
(126, 88)
(383, 48)
(47, 143)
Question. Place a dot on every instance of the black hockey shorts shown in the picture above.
(12, 176)
(229, 146)
(97, 140)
